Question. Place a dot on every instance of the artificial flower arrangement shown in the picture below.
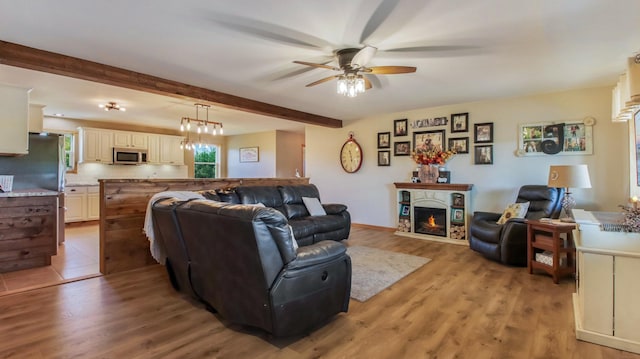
(631, 220)
(431, 155)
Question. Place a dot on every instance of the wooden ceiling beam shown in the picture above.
(40, 60)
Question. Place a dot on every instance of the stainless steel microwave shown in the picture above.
(129, 156)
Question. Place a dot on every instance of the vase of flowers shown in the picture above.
(429, 158)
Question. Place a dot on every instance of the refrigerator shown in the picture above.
(42, 168)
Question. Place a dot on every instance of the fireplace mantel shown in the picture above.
(434, 186)
(454, 198)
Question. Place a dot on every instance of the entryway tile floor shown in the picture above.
(78, 258)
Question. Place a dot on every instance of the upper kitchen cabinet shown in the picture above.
(96, 145)
(36, 117)
(170, 151)
(14, 115)
(130, 140)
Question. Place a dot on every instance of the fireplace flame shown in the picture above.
(432, 221)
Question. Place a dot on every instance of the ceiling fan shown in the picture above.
(352, 65)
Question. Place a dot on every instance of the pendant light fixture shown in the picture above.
(201, 126)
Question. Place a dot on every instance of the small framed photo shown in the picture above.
(406, 196)
(404, 210)
(384, 158)
(402, 148)
(250, 154)
(483, 132)
(457, 215)
(400, 127)
(384, 139)
(460, 122)
(459, 145)
(457, 200)
(483, 155)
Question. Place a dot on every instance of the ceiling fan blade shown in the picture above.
(272, 32)
(312, 64)
(323, 80)
(367, 84)
(362, 57)
(431, 51)
(390, 70)
(380, 14)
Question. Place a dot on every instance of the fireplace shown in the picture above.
(432, 221)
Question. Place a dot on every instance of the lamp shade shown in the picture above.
(575, 176)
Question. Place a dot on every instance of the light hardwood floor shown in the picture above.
(459, 305)
(78, 257)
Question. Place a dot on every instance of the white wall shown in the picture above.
(289, 153)
(370, 195)
(92, 172)
(266, 165)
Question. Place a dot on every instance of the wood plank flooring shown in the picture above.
(459, 305)
(78, 257)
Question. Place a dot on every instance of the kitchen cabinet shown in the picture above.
(14, 110)
(170, 152)
(82, 203)
(130, 139)
(96, 145)
(153, 149)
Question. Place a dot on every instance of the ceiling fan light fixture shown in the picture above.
(351, 85)
(112, 106)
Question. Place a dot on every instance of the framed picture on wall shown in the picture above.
(459, 145)
(384, 158)
(483, 132)
(250, 154)
(384, 139)
(400, 127)
(460, 122)
(428, 140)
(483, 155)
(401, 148)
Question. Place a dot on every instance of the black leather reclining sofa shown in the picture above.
(307, 229)
(241, 260)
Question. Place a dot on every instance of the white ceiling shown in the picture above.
(478, 50)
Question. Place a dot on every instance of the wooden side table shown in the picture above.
(547, 236)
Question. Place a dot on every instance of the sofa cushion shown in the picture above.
(267, 195)
(228, 195)
(313, 206)
(292, 199)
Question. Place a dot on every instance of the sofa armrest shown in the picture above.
(486, 216)
(321, 252)
(334, 208)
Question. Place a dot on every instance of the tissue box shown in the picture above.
(546, 257)
(6, 182)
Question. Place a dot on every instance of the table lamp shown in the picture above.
(574, 176)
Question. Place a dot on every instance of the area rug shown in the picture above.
(374, 270)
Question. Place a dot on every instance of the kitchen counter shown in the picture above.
(31, 192)
(81, 184)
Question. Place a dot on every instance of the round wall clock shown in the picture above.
(351, 155)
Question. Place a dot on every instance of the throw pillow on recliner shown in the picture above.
(514, 210)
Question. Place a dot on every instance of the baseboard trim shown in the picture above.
(386, 229)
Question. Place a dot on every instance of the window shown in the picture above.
(69, 152)
(206, 161)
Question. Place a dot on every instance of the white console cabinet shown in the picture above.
(607, 294)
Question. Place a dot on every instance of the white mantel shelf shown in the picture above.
(434, 186)
(437, 195)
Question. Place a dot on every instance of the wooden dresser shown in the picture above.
(28, 229)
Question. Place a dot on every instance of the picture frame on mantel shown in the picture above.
(250, 154)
